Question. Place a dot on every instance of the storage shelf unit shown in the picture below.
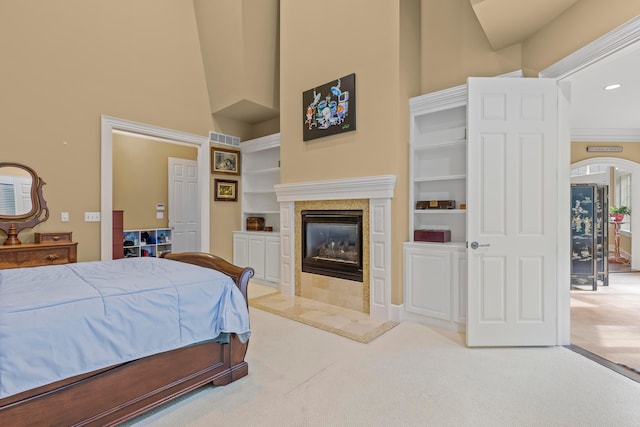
(260, 172)
(438, 166)
(435, 274)
(157, 242)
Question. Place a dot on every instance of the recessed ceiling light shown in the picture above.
(612, 86)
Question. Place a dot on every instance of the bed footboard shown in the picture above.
(118, 393)
(239, 275)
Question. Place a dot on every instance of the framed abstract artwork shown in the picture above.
(330, 108)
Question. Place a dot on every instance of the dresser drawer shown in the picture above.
(52, 237)
(33, 255)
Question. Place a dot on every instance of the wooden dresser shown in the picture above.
(49, 249)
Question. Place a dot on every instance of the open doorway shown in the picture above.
(605, 321)
(598, 116)
(201, 143)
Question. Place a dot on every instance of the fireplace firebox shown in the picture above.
(332, 243)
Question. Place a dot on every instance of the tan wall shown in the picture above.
(576, 27)
(630, 151)
(141, 178)
(239, 43)
(455, 47)
(367, 44)
(225, 216)
(65, 64)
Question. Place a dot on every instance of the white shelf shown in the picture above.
(458, 245)
(261, 212)
(438, 167)
(441, 178)
(439, 211)
(267, 171)
(441, 145)
(260, 173)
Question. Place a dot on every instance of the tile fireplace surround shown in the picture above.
(377, 191)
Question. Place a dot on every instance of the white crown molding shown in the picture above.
(155, 131)
(262, 143)
(605, 135)
(370, 187)
(625, 35)
(446, 98)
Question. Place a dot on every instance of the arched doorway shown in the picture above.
(634, 169)
(604, 322)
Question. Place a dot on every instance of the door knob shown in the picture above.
(476, 245)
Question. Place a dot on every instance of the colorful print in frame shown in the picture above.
(329, 109)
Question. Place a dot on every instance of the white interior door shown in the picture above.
(184, 205)
(512, 202)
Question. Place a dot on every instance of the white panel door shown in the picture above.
(512, 212)
(184, 206)
(22, 187)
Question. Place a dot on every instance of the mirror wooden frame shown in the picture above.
(13, 224)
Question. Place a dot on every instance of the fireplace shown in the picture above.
(332, 243)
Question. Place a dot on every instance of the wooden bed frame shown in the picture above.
(112, 395)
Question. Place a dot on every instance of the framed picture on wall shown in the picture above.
(225, 161)
(225, 190)
(330, 108)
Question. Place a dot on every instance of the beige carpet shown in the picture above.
(341, 321)
(413, 375)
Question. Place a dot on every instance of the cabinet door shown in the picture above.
(241, 250)
(428, 280)
(459, 269)
(272, 259)
(256, 255)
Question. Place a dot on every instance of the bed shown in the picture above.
(146, 377)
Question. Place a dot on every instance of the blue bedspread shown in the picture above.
(65, 320)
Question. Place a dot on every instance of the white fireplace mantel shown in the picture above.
(369, 187)
(379, 191)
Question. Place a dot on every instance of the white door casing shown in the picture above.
(512, 212)
(183, 205)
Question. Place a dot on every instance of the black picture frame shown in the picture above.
(330, 108)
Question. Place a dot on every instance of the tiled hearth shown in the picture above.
(371, 194)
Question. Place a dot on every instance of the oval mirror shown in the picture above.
(16, 192)
(21, 202)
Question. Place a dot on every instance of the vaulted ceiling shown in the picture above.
(605, 115)
(507, 22)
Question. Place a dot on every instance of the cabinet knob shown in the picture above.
(51, 257)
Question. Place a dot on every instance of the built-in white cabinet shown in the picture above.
(260, 172)
(260, 251)
(435, 274)
(435, 281)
